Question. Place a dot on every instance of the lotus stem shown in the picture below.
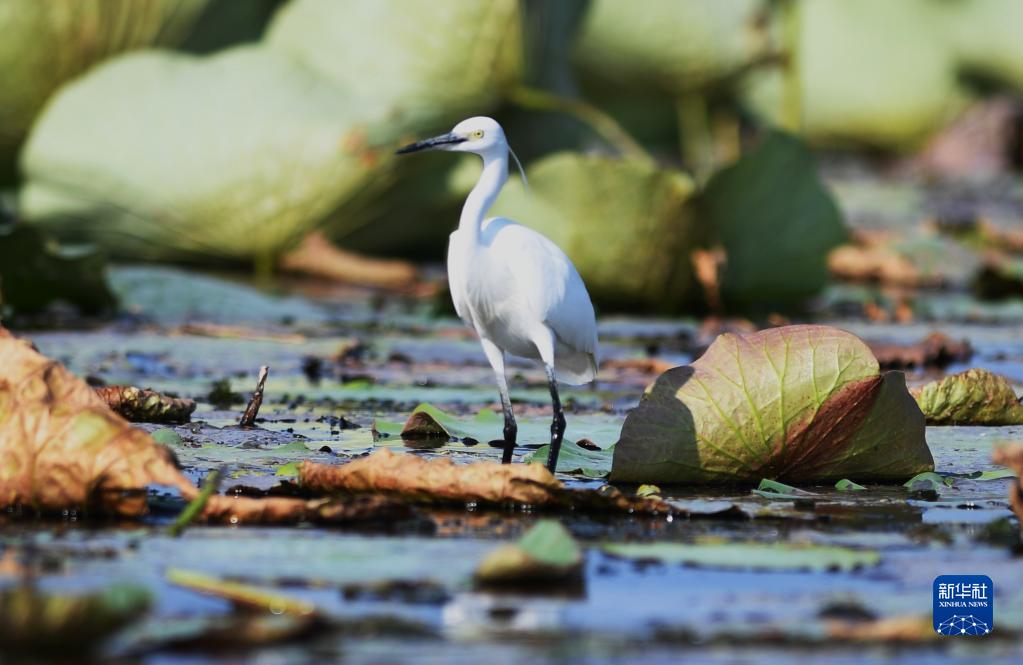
(597, 120)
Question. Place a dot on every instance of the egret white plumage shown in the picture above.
(513, 286)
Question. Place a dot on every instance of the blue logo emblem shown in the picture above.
(964, 605)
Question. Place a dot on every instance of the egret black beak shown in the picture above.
(431, 144)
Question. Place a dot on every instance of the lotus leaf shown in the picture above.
(612, 216)
(777, 223)
(870, 72)
(800, 404)
(47, 43)
(973, 397)
(427, 63)
(231, 156)
(670, 46)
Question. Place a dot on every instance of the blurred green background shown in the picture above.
(682, 136)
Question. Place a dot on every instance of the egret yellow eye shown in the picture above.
(478, 134)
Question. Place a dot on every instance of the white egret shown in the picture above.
(513, 286)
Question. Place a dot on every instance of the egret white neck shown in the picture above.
(483, 195)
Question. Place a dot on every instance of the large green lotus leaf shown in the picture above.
(624, 224)
(871, 72)
(985, 35)
(669, 47)
(47, 43)
(777, 223)
(427, 62)
(797, 404)
(228, 156)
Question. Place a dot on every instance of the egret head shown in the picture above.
(480, 135)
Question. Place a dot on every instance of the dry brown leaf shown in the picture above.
(440, 480)
(146, 406)
(935, 350)
(884, 265)
(62, 448)
(1011, 455)
(318, 257)
(222, 509)
(642, 365)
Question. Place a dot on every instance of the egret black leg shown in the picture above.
(511, 430)
(558, 423)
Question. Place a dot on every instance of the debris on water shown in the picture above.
(546, 554)
(936, 350)
(252, 410)
(146, 406)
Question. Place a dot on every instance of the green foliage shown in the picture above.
(35, 271)
(798, 403)
(776, 221)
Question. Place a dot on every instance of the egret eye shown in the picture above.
(478, 134)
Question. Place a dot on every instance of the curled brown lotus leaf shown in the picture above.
(1011, 455)
(140, 405)
(438, 479)
(62, 448)
(222, 509)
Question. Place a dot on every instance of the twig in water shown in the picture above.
(195, 506)
(252, 410)
(240, 594)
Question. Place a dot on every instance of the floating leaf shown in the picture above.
(749, 556)
(928, 481)
(35, 271)
(546, 553)
(771, 489)
(973, 397)
(245, 175)
(846, 485)
(641, 217)
(770, 209)
(799, 404)
(573, 458)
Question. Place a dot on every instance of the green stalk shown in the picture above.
(600, 122)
